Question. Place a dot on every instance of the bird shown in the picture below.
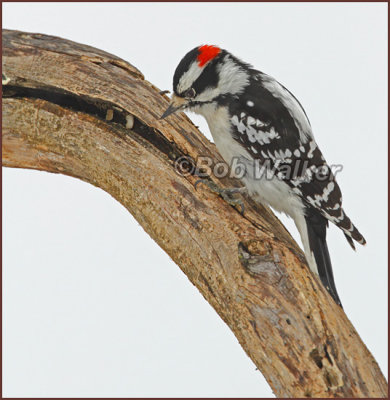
(255, 120)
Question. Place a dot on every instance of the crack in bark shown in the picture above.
(97, 109)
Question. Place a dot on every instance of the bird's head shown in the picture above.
(205, 75)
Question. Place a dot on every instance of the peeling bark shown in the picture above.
(72, 109)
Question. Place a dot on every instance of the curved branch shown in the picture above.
(76, 110)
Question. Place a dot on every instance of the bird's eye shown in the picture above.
(190, 93)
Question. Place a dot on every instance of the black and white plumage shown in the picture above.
(255, 120)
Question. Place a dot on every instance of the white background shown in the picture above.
(91, 305)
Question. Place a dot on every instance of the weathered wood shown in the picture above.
(65, 110)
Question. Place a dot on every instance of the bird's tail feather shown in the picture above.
(350, 230)
(316, 230)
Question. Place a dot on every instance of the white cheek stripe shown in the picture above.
(189, 77)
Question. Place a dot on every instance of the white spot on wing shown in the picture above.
(313, 146)
(259, 123)
(234, 120)
(251, 120)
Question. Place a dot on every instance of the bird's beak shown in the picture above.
(177, 103)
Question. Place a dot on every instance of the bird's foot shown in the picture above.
(227, 194)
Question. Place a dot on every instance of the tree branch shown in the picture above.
(72, 109)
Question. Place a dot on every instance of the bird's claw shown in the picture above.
(226, 194)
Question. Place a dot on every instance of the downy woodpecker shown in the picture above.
(256, 120)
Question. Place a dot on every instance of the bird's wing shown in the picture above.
(267, 124)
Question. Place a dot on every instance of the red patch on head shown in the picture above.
(207, 53)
